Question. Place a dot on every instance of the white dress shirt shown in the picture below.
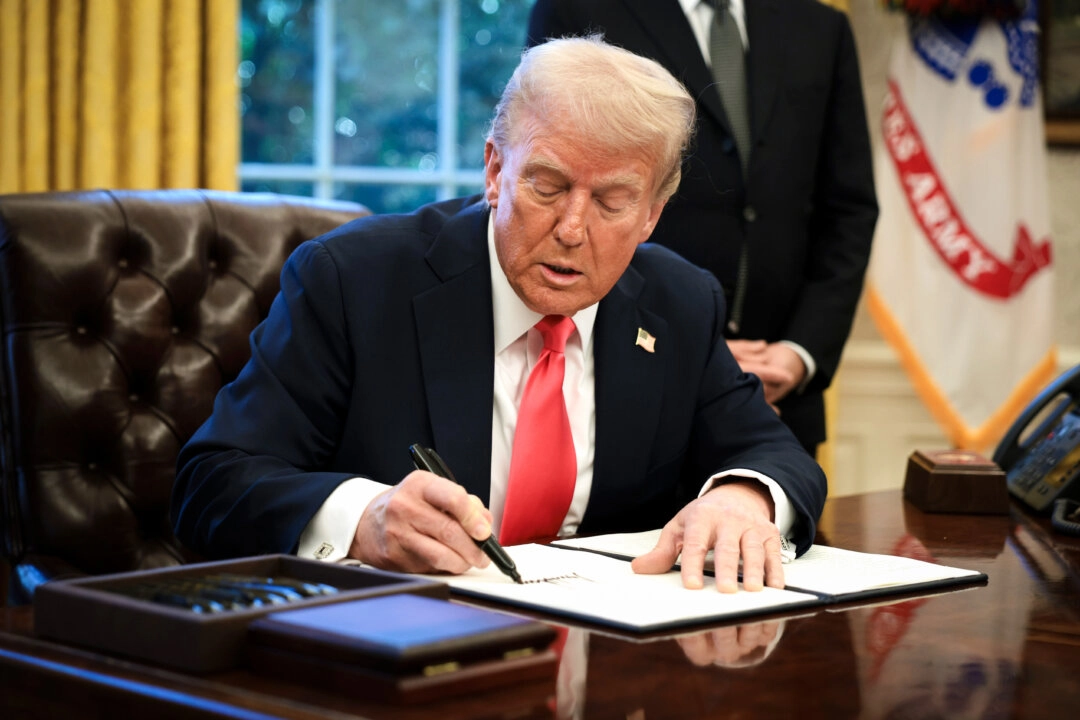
(517, 347)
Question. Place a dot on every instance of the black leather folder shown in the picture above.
(404, 648)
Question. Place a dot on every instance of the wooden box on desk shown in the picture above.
(93, 612)
(955, 481)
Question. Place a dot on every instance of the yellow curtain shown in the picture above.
(118, 94)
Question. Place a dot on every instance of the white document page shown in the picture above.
(823, 569)
(607, 591)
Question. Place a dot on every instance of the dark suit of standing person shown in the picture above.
(798, 215)
(419, 328)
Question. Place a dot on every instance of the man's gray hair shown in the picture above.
(623, 102)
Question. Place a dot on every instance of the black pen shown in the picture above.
(427, 459)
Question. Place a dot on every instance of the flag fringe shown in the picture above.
(960, 434)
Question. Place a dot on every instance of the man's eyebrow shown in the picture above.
(629, 181)
(626, 181)
(542, 163)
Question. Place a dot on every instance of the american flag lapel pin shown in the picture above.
(645, 341)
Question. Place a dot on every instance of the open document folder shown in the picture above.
(600, 587)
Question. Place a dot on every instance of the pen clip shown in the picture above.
(427, 459)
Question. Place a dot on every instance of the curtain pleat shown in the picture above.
(142, 96)
(118, 94)
(183, 70)
(221, 113)
(66, 49)
(11, 19)
(36, 97)
(98, 111)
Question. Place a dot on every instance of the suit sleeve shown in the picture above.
(841, 226)
(242, 485)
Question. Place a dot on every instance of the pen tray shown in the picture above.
(94, 612)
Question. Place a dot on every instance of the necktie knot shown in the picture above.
(555, 329)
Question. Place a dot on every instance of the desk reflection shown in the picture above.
(686, 675)
(1010, 649)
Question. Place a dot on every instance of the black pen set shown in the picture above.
(427, 459)
(223, 591)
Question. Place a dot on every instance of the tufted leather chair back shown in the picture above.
(123, 313)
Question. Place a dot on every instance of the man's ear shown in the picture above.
(653, 217)
(492, 172)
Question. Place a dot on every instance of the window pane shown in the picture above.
(386, 198)
(492, 37)
(277, 48)
(463, 190)
(284, 187)
(386, 82)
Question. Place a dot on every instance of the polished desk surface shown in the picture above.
(1010, 648)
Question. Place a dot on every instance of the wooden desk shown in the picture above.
(1007, 649)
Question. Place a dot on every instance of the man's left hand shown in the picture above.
(732, 646)
(734, 520)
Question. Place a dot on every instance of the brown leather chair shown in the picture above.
(123, 313)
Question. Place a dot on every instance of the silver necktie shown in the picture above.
(729, 70)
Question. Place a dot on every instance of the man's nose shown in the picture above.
(571, 227)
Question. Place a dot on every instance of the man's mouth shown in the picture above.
(561, 270)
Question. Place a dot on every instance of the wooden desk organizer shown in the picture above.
(955, 481)
(90, 612)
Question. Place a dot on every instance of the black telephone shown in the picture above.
(1042, 465)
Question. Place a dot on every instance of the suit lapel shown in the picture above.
(456, 341)
(629, 390)
(767, 32)
(666, 24)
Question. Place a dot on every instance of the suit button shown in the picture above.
(727, 145)
(749, 213)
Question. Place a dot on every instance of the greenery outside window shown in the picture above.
(383, 103)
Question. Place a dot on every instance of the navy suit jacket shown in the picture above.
(382, 336)
(805, 210)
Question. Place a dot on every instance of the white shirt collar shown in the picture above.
(511, 316)
(701, 15)
(734, 6)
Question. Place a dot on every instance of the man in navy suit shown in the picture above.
(418, 328)
(786, 229)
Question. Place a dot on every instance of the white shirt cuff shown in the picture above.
(330, 532)
(783, 512)
(807, 359)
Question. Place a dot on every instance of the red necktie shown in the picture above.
(543, 465)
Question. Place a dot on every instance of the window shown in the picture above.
(383, 103)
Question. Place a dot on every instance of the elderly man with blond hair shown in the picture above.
(433, 328)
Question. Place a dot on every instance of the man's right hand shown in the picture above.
(423, 524)
(779, 368)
